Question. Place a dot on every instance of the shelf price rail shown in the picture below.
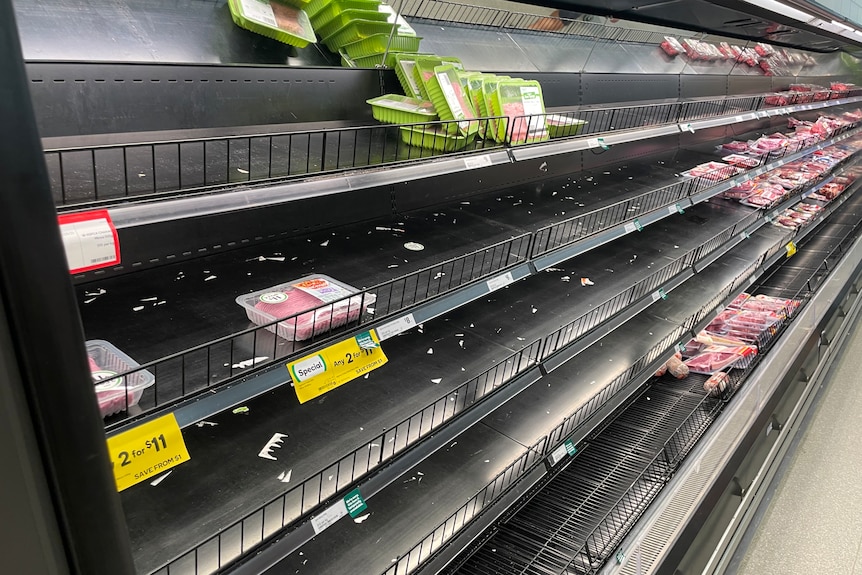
(431, 291)
(107, 174)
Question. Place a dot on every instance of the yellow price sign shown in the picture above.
(146, 450)
(791, 248)
(331, 367)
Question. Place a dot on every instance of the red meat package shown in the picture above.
(715, 358)
(677, 368)
(671, 46)
(115, 392)
(327, 304)
(779, 99)
(717, 384)
(778, 306)
(736, 146)
(742, 161)
(715, 171)
(764, 50)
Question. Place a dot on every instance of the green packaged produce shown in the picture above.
(321, 12)
(434, 138)
(451, 101)
(474, 91)
(376, 44)
(355, 31)
(562, 126)
(324, 30)
(398, 109)
(277, 21)
(521, 102)
(423, 70)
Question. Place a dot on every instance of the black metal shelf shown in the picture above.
(348, 421)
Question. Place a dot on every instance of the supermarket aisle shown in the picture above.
(813, 523)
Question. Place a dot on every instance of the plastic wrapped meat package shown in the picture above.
(115, 392)
(778, 306)
(671, 46)
(716, 358)
(674, 366)
(327, 301)
(742, 161)
(717, 384)
(735, 146)
(713, 171)
(765, 195)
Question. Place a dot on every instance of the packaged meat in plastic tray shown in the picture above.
(735, 146)
(714, 171)
(671, 46)
(777, 306)
(115, 394)
(739, 300)
(327, 302)
(741, 161)
(764, 50)
(717, 384)
(718, 358)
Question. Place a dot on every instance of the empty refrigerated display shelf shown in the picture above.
(408, 510)
(511, 547)
(322, 431)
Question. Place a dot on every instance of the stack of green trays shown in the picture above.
(451, 100)
(274, 20)
(355, 31)
(423, 71)
(324, 30)
(474, 90)
(521, 101)
(398, 109)
(563, 126)
(376, 44)
(434, 138)
(323, 11)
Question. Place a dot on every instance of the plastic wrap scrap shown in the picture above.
(717, 384)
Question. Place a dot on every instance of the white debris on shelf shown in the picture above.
(142, 175)
(161, 478)
(463, 369)
(284, 476)
(414, 246)
(324, 244)
(553, 270)
(361, 518)
(566, 278)
(210, 278)
(466, 203)
(249, 362)
(241, 171)
(487, 461)
(459, 335)
(370, 310)
(149, 299)
(461, 343)
(160, 302)
(96, 293)
(587, 282)
(521, 338)
(471, 325)
(593, 382)
(533, 310)
(203, 423)
(138, 308)
(390, 266)
(437, 380)
(91, 300)
(439, 275)
(430, 351)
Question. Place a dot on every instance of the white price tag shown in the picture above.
(329, 516)
(395, 327)
(558, 454)
(751, 280)
(740, 118)
(477, 162)
(671, 209)
(90, 240)
(656, 296)
(500, 281)
(630, 227)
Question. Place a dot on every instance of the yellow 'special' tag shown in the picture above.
(147, 450)
(791, 248)
(331, 367)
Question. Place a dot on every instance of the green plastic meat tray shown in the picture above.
(398, 109)
(376, 44)
(564, 126)
(423, 70)
(269, 18)
(527, 124)
(355, 31)
(434, 138)
(451, 100)
(324, 30)
(321, 12)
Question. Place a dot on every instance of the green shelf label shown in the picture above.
(355, 503)
(570, 447)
